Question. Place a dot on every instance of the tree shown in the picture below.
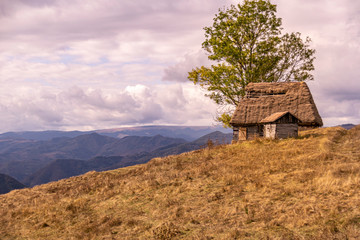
(246, 42)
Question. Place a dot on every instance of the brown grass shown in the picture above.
(305, 188)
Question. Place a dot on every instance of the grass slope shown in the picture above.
(305, 188)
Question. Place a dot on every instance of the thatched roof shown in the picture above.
(265, 99)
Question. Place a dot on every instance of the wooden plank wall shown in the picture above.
(235, 133)
(252, 132)
(242, 134)
(286, 130)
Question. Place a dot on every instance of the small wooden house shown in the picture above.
(280, 125)
(274, 110)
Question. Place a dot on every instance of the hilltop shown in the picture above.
(304, 188)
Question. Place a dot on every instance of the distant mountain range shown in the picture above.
(21, 158)
(188, 133)
(35, 162)
(64, 168)
(347, 126)
(8, 184)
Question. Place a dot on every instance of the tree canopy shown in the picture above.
(247, 44)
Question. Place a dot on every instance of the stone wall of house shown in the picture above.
(270, 130)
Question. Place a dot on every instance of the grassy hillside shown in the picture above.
(305, 188)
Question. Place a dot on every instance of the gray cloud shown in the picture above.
(9, 7)
(98, 108)
(60, 20)
(334, 29)
(128, 61)
(179, 71)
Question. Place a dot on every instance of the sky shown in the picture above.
(96, 64)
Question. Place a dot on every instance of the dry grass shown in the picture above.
(305, 188)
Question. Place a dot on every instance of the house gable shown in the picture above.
(281, 117)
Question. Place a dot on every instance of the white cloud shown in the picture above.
(46, 108)
(117, 54)
(179, 71)
(334, 29)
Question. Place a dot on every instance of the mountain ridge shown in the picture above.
(21, 158)
(8, 184)
(188, 133)
(303, 188)
(56, 170)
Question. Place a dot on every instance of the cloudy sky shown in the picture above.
(73, 64)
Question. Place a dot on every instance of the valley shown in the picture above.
(32, 161)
